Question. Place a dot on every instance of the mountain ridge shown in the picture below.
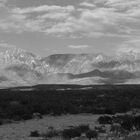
(25, 68)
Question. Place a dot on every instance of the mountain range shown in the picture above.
(22, 68)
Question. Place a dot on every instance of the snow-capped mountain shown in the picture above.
(19, 67)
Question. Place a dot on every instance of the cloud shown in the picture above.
(86, 24)
(43, 8)
(3, 1)
(55, 16)
(21, 20)
(87, 4)
(123, 4)
(107, 18)
(101, 21)
(134, 12)
(78, 46)
(129, 46)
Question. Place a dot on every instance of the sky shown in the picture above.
(47, 27)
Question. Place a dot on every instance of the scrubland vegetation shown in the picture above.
(17, 105)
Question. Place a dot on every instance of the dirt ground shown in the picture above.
(21, 130)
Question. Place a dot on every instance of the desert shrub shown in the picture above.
(117, 119)
(34, 134)
(71, 133)
(128, 123)
(26, 116)
(51, 134)
(137, 122)
(105, 120)
(110, 111)
(91, 134)
(100, 129)
(82, 128)
(37, 115)
(116, 127)
(75, 131)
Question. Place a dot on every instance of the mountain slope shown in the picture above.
(19, 67)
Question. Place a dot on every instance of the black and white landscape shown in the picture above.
(69, 69)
